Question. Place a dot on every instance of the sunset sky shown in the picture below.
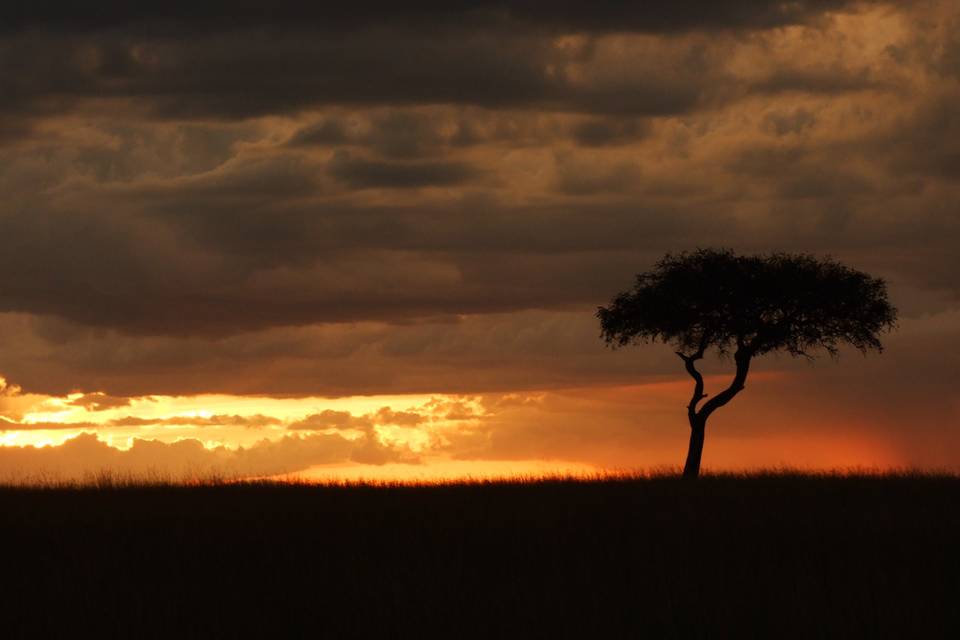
(369, 241)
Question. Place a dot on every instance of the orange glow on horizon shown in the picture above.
(443, 470)
(578, 431)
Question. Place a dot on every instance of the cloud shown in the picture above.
(44, 425)
(344, 420)
(835, 80)
(781, 123)
(632, 412)
(482, 352)
(578, 177)
(330, 419)
(365, 174)
(85, 455)
(565, 15)
(395, 134)
(602, 132)
(386, 415)
(99, 402)
(7, 389)
(328, 131)
(252, 421)
(255, 421)
(231, 62)
(209, 186)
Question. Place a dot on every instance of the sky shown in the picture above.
(370, 241)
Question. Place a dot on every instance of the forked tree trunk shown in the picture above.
(691, 469)
(698, 417)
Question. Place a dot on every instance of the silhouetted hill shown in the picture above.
(760, 556)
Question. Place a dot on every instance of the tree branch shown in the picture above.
(742, 358)
(698, 393)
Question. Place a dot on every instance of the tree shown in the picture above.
(747, 305)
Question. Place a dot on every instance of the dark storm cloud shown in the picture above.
(358, 173)
(598, 132)
(233, 207)
(932, 148)
(489, 351)
(399, 134)
(404, 134)
(577, 178)
(235, 75)
(781, 123)
(239, 67)
(249, 245)
(325, 132)
(566, 15)
(14, 128)
(835, 80)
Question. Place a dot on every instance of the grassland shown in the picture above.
(765, 556)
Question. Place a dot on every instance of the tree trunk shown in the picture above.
(698, 417)
(691, 470)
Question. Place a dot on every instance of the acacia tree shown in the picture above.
(746, 306)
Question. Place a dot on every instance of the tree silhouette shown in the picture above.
(747, 306)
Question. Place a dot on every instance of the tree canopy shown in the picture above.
(796, 303)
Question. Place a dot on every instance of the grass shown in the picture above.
(763, 555)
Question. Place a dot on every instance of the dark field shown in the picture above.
(762, 556)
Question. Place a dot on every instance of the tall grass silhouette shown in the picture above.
(772, 554)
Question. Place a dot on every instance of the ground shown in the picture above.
(768, 555)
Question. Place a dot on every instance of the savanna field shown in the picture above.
(762, 555)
